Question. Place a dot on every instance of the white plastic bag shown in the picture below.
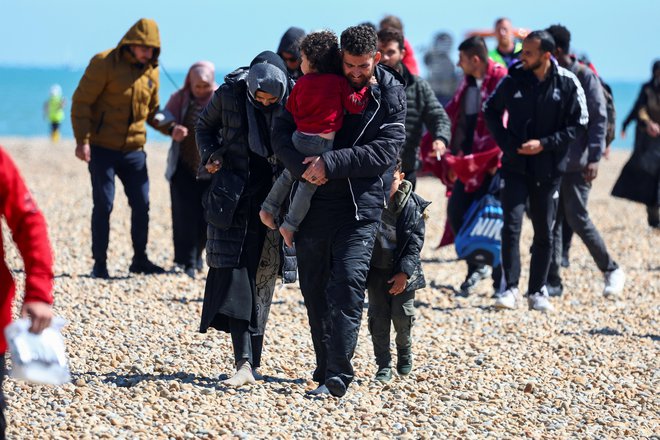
(37, 358)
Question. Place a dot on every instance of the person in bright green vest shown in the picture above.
(54, 111)
(508, 49)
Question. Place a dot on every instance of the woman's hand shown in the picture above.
(179, 133)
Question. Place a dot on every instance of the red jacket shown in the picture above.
(28, 229)
(318, 100)
(409, 59)
(485, 152)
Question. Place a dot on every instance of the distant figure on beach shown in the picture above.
(234, 139)
(443, 76)
(547, 111)
(409, 60)
(183, 162)
(117, 94)
(584, 154)
(423, 108)
(509, 44)
(640, 178)
(289, 50)
(54, 111)
(28, 229)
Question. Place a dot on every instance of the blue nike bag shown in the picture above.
(479, 239)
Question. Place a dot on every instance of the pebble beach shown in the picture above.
(141, 370)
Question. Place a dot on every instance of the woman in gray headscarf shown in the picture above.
(233, 136)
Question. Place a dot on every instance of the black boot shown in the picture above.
(144, 266)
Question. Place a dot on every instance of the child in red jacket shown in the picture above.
(28, 229)
(317, 105)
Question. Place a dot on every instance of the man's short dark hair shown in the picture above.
(359, 40)
(398, 166)
(322, 51)
(561, 35)
(475, 46)
(386, 35)
(391, 21)
(547, 42)
(500, 20)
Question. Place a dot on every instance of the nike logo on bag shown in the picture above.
(518, 94)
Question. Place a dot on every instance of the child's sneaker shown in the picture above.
(384, 374)
(614, 282)
(508, 299)
(404, 361)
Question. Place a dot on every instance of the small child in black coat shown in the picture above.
(395, 274)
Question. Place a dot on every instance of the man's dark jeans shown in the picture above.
(543, 200)
(333, 264)
(131, 168)
(573, 197)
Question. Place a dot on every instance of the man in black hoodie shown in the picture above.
(547, 111)
(335, 241)
(289, 50)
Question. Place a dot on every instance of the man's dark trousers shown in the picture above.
(543, 200)
(573, 198)
(333, 264)
(131, 168)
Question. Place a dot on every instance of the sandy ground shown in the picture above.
(141, 370)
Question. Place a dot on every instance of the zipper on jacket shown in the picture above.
(350, 185)
(382, 184)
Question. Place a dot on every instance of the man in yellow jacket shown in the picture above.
(116, 95)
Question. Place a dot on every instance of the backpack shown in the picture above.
(478, 241)
(610, 133)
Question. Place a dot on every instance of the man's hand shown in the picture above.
(40, 313)
(398, 282)
(652, 129)
(373, 81)
(438, 148)
(531, 147)
(213, 166)
(590, 171)
(83, 152)
(179, 133)
(315, 172)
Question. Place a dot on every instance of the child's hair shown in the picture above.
(399, 165)
(321, 49)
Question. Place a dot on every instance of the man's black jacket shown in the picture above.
(552, 111)
(364, 156)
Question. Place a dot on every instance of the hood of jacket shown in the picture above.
(144, 33)
(401, 197)
(290, 41)
(267, 72)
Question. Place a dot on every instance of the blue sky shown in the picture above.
(621, 40)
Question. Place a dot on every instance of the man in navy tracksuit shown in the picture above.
(335, 241)
(547, 111)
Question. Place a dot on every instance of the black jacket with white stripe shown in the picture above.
(553, 111)
(360, 165)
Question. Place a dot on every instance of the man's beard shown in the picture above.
(362, 81)
(534, 66)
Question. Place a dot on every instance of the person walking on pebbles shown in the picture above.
(395, 274)
(117, 94)
(547, 111)
(233, 137)
(336, 238)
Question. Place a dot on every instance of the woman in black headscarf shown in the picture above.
(233, 136)
(640, 178)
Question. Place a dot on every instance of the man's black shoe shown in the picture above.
(100, 270)
(146, 267)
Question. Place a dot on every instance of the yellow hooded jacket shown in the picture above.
(116, 94)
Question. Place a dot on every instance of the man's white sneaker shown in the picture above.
(508, 299)
(539, 301)
(614, 282)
